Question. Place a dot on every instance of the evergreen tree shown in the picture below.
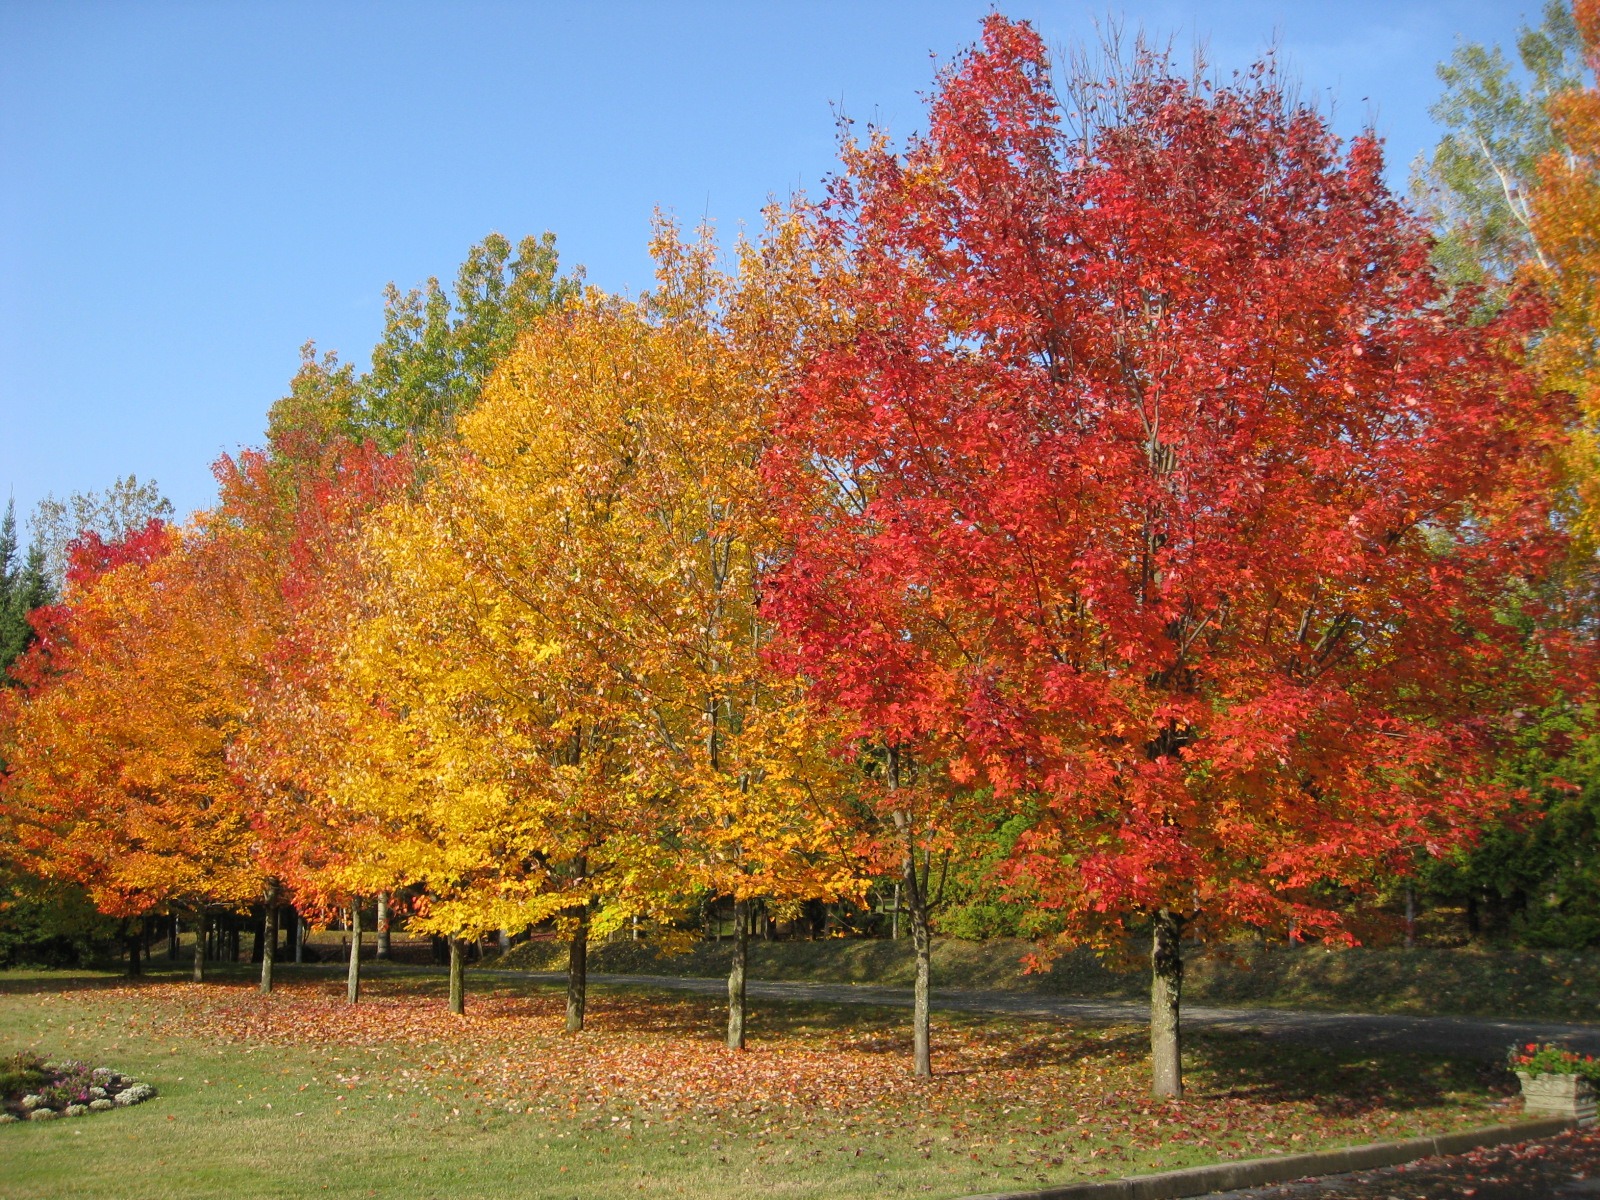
(24, 587)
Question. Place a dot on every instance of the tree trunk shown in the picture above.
(736, 973)
(1411, 916)
(269, 938)
(458, 977)
(172, 936)
(135, 944)
(922, 943)
(916, 902)
(577, 968)
(1166, 982)
(200, 947)
(383, 927)
(352, 987)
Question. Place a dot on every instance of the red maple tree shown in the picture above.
(1157, 491)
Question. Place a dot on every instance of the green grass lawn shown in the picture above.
(1482, 981)
(300, 1095)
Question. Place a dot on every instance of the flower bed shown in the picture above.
(32, 1089)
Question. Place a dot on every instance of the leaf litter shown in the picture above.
(1015, 1095)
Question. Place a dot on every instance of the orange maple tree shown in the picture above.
(116, 746)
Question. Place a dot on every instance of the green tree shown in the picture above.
(1536, 879)
(436, 352)
(119, 510)
(24, 586)
(319, 408)
(1475, 185)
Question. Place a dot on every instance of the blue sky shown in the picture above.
(189, 191)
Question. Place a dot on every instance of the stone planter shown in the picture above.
(1569, 1096)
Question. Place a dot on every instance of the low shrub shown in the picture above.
(32, 1089)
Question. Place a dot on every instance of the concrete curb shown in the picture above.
(1260, 1172)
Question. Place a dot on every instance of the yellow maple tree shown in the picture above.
(1565, 221)
(575, 715)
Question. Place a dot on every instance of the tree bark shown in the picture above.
(135, 944)
(1166, 982)
(922, 943)
(736, 973)
(269, 938)
(383, 927)
(577, 968)
(916, 902)
(200, 946)
(352, 987)
(458, 977)
(1411, 916)
(172, 936)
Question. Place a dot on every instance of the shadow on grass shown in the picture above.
(28, 981)
(31, 983)
(1339, 1081)
(1221, 1064)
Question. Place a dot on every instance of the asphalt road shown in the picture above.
(1559, 1168)
(1471, 1037)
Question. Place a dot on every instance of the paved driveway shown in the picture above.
(1471, 1037)
(1559, 1168)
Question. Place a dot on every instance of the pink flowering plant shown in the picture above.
(1550, 1059)
(69, 1084)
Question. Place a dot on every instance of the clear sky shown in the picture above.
(189, 191)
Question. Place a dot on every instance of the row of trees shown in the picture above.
(1120, 472)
